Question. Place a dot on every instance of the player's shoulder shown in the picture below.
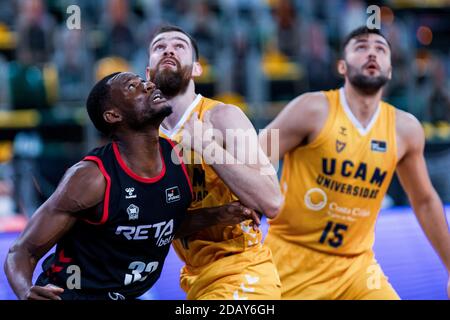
(83, 185)
(406, 123)
(221, 108)
(309, 110)
(84, 173)
(408, 128)
(224, 115)
(309, 104)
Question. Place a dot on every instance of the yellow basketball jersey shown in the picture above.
(335, 185)
(209, 190)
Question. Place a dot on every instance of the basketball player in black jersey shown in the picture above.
(116, 212)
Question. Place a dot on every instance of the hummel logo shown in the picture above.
(130, 193)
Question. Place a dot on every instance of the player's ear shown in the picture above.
(390, 73)
(197, 69)
(342, 67)
(112, 116)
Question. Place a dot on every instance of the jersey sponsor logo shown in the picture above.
(315, 199)
(378, 146)
(346, 188)
(340, 146)
(338, 211)
(163, 232)
(173, 194)
(133, 212)
(130, 194)
(350, 169)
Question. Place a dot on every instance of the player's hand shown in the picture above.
(199, 134)
(49, 292)
(234, 213)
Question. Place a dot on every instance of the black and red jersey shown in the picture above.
(118, 250)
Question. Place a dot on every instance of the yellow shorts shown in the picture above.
(311, 275)
(250, 275)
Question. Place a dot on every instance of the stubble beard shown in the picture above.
(366, 84)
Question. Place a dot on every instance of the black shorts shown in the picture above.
(76, 294)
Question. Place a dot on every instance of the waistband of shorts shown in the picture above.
(309, 250)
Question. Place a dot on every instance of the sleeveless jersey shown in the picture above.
(214, 242)
(335, 185)
(119, 249)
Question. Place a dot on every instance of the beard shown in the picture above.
(367, 84)
(170, 82)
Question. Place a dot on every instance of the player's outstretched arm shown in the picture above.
(228, 214)
(82, 187)
(413, 175)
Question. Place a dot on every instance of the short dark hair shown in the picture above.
(363, 30)
(97, 101)
(171, 28)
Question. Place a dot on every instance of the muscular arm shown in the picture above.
(249, 174)
(413, 175)
(82, 187)
(298, 123)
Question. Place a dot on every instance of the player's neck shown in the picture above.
(179, 104)
(141, 152)
(363, 106)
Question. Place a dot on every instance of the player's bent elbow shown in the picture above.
(273, 207)
(9, 260)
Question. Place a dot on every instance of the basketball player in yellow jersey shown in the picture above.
(224, 262)
(340, 150)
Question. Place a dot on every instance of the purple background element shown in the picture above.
(401, 248)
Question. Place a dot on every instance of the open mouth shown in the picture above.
(372, 66)
(168, 62)
(157, 97)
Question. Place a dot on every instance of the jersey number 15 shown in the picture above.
(337, 238)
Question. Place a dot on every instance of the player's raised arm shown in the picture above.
(297, 124)
(414, 178)
(82, 187)
(244, 167)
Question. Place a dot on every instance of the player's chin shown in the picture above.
(157, 104)
(164, 109)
